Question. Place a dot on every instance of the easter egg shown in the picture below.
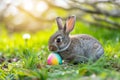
(54, 59)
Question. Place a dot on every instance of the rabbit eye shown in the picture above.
(59, 39)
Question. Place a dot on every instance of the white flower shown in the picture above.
(115, 56)
(26, 36)
(93, 76)
(0, 53)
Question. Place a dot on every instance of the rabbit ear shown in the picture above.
(69, 25)
(59, 23)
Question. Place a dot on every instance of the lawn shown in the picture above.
(25, 59)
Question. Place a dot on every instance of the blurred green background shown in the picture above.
(25, 28)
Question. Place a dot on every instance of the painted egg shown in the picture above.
(54, 59)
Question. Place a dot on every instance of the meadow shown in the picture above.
(25, 59)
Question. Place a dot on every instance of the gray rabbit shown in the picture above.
(75, 48)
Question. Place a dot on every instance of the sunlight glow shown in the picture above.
(41, 6)
(11, 11)
(7, 1)
(61, 3)
(28, 5)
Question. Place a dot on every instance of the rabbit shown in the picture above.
(76, 48)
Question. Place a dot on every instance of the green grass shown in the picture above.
(33, 53)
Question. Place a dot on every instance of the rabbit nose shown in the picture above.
(52, 48)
